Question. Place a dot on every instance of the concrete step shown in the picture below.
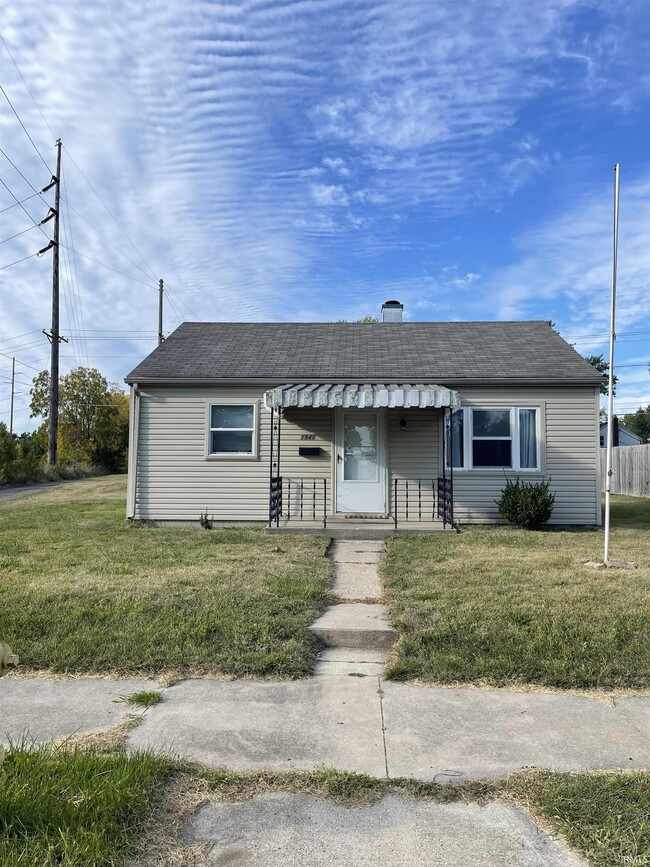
(353, 654)
(341, 547)
(348, 669)
(350, 661)
(355, 624)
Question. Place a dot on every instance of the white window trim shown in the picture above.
(468, 425)
(232, 456)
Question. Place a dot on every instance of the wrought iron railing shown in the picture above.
(298, 499)
(446, 500)
(306, 500)
(414, 500)
(275, 500)
(420, 500)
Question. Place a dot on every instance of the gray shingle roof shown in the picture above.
(443, 352)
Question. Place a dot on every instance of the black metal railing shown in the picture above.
(275, 500)
(306, 500)
(420, 500)
(415, 499)
(446, 500)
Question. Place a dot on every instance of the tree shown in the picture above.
(602, 366)
(363, 319)
(639, 422)
(93, 417)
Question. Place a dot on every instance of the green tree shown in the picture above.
(602, 366)
(93, 417)
(639, 422)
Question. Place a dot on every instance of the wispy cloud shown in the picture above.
(293, 160)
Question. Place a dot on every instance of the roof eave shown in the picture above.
(446, 381)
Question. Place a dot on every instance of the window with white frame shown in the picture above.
(491, 438)
(232, 429)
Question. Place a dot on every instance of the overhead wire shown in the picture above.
(4, 93)
(19, 202)
(113, 217)
(27, 181)
(18, 234)
(24, 208)
(74, 273)
(18, 261)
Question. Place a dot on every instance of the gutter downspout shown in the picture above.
(134, 437)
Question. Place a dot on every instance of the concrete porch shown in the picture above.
(341, 527)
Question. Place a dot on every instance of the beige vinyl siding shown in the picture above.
(175, 480)
(413, 454)
(297, 423)
(569, 426)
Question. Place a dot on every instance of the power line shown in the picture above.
(24, 162)
(18, 234)
(24, 208)
(24, 363)
(110, 267)
(18, 261)
(113, 217)
(27, 181)
(4, 93)
(25, 334)
(17, 202)
(106, 238)
(75, 274)
(27, 86)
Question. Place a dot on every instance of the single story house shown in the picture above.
(621, 436)
(405, 423)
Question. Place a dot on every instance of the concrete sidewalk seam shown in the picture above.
(383, 726)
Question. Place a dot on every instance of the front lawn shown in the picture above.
(502, 606)
(76, 809)
(81, 591)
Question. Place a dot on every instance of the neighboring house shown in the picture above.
(624, 436)
(311, 421)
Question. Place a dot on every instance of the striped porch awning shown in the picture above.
(361, 395)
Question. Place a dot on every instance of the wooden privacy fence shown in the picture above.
(631, 470)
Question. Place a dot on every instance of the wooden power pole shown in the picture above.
(53, 426)
(161, 289)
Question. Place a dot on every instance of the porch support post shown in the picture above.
(444, 467)
(277, 517)
(451, 465)
(271, 466)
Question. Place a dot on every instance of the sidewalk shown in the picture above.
(362, 724)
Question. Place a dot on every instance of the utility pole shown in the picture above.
(13, 383)
(161, 290)
(53, 427)
(612, 341)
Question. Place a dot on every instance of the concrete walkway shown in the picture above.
(362, 724)
(280, 829)
(356, 630)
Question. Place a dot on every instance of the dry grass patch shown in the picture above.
(502, 606)
(83, 591)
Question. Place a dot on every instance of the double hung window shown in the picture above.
(232, 429)
(490, 438)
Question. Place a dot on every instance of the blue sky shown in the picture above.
(308, 160)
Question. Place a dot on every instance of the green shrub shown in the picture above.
(526, 504)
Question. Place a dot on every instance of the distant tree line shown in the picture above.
(93, 430)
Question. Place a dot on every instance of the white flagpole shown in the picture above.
(612, 340)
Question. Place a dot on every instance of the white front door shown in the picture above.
(361, 462)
